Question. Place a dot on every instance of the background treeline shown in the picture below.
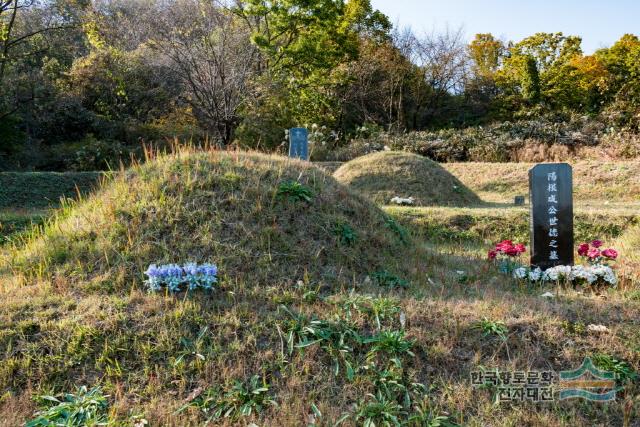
(84, 83)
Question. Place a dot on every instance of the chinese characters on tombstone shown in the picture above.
(299, 143)
(551, 196)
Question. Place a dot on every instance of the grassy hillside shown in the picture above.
(387, 174)
(312, 323)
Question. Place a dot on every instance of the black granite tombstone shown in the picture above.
(299, 143)
(551, 198)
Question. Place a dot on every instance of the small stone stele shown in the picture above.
(519, 201)
(299, 143)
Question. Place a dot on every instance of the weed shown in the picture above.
(79, 409)
(492, 327)
(624, 372)
(423, 417)
(379, 410)
(295, 191)
(399, 230)
(379, 309)
(192, 348)
(346, 234)
(393, 343)
(389, 280)
(391, 382)
(241, 400)
(574, 328)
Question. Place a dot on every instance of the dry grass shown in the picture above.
(211, 206)
(82, 315)
(595, 182)
(384, 175)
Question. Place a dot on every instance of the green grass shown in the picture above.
(14, 222)
(39, 190)
(260, 217)
(487, 225)
(322, 314)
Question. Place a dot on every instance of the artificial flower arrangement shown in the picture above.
(507, 254)
(174, 277)
(596, 271)
(409, 201)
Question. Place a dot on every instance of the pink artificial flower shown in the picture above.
(493, 254)
(610, 253)
(583, 249)
(593, 253)
(596, 243)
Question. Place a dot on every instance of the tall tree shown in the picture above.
(210, 52)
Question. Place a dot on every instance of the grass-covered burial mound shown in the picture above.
(288, 244)
(384, 175)
(261, 219)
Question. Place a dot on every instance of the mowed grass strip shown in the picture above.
(39, 190)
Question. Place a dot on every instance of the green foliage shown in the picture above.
(98, 155)
(337, 338)
(84, 408)
(379, 410)
(389, 280)
(492, 328)
(530, 81)
(304, 44)
(392, 343)
(243, 399)
(38, 190)
(295, 191)
(399, 230)
(379, 309)
(624, 372)
(346, 234)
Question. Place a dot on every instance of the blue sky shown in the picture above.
(599, 22)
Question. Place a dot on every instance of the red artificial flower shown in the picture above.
(596, 243)
(593, 253)
(493, 254)
(610, 253)
(504, 245)
(520, 248)
(512, 251)
(583, 249)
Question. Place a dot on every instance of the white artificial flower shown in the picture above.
(582, 272)
(535, 275)
(520, 273)
(557, 273)
(597, 328)
(403, 201)
(604, 272)
(551, 274)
